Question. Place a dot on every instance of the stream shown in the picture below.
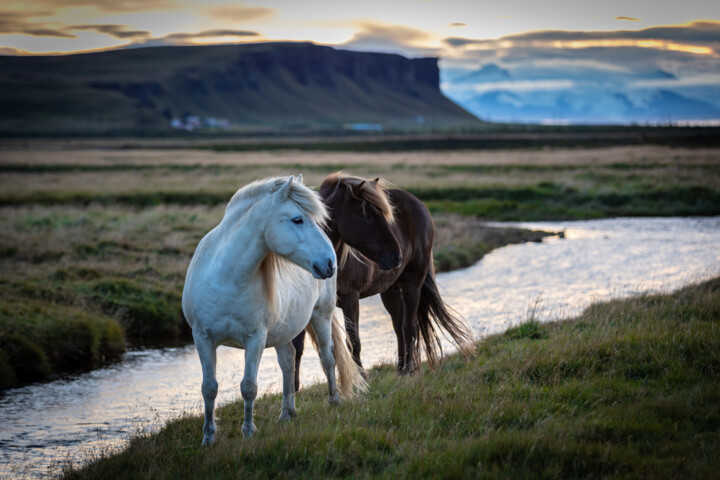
(48, 425)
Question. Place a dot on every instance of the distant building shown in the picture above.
(192, 122)
(363, 127)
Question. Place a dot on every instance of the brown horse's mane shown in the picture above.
(372, 191)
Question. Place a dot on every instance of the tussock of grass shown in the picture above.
(76, 282)
(462, 241)
(39, 339)
(629, 389)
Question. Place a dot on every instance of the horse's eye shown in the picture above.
(297, 220)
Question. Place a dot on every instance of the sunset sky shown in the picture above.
(456, 30)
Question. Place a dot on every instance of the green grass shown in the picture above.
(78, 282)
(45, 338)
(107, 231)
(629, 389)
(548, 201)
(542, 201)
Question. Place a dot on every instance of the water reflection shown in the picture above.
(96, 411)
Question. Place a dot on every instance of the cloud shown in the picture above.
(117, 31)
(702, 32)
(189, 38)
(629, 19)
(705, 35)
(694, 47)
(211, 34)
(458, 24)
(13, 51)
(240, 13)
(15, 23)
(524, 86)
(390, 38)
(123, 6)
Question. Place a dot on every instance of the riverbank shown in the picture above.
(629, 388)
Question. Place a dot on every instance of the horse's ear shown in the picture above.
(357, 189)
(299, 178)
(284, 192)
(376, 180)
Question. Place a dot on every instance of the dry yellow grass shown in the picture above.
(193, 171)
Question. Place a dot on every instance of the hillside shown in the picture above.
(268, 85)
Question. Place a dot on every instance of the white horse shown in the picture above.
(250, 285)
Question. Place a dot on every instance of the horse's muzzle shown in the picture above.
(390, 260)
(323, 270)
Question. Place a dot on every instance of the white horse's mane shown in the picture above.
(307, 200)
(276, 270)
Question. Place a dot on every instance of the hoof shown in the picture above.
(334, 399)
(249, 431)
(287, 415)
(207, 441)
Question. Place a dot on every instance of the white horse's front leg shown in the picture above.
(207, 353)
(322, 327)
(248, 387)
(286, 360)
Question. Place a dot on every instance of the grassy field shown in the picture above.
(95, 236)
(629, 389)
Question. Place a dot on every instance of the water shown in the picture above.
(75, 418)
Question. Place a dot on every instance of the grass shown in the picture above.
(460, 241)
(628, 389)
(42, 339)
(546, 201)
(78, 282)
(93, 229)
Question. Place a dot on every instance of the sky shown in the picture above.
(459, 31)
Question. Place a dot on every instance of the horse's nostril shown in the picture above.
(331, 265)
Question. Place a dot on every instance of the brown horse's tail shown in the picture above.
(434, 315)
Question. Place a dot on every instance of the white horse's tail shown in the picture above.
(350, 379)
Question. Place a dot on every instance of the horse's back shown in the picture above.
(412, 218)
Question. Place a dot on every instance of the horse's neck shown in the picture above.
(243, 247)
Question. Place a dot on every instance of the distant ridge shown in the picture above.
(270, 85)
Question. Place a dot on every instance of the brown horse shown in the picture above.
(383, 239)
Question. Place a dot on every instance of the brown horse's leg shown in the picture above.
(411, 299)
(350, 305)
(299, 344)
(393, 301)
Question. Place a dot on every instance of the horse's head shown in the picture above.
(294, 229)
(363, 218)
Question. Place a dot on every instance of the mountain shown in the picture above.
(274, 85)
(670, 105)
(582, 93)
(488, 73)
(585, 106)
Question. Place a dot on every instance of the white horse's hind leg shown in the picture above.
(248, 387)
(286, 359)
(321, 324)
(207, 353)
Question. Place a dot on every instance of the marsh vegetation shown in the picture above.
(95, 239)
